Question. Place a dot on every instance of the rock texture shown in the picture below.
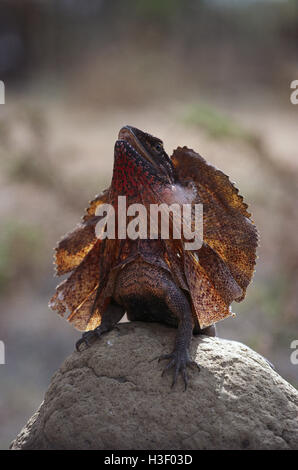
(112, 396)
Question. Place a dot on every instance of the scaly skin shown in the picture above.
(158, 280)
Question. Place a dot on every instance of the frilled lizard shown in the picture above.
(157, 280)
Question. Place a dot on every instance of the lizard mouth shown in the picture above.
(127, 134)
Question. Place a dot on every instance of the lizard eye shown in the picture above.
(158, 148)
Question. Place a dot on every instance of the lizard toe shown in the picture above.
(179, 360)
(87, 338)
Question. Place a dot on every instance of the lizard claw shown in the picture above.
(87, 338)
(179, 360)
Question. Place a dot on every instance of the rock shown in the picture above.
(112, 396)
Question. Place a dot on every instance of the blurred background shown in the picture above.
(212, 75)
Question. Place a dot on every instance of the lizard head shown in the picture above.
(142, 156)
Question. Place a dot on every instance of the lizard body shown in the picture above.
(156, 279)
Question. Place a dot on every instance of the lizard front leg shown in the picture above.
(180, 357)
(208, 331)
(109, 319)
